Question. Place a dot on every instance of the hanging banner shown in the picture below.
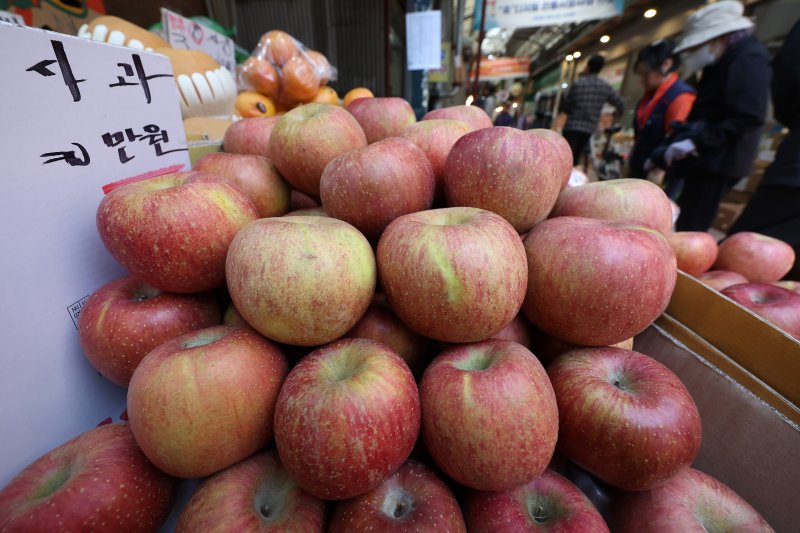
(504, 68)
(531, 13)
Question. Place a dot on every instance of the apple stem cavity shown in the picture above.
(52, 483)
(265, 510)
(203, 339)
(398, 505)
(145, 292)
(476, 362)
(540, 516)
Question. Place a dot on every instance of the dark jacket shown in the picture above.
(726, 120)
(649, 137)
(785, 170)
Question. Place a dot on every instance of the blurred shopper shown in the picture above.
(666, 100)
(504, 118)
(774, 209)
(718, 145)
(583, 105)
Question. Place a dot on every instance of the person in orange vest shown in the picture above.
(667, 100)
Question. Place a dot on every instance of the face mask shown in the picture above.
(699, 59)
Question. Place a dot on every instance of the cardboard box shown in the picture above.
(747, 444)
(744, 375)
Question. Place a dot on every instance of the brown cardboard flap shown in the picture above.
(746, 444)
(770, 354)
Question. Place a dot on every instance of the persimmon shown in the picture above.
(252, 104)
(279, 47)
(355, 94)
(326, 95)
(300, 81)
(321, 65)
(262, 76)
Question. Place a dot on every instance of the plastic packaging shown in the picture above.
(283, 69)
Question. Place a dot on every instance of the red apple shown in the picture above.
(624, 417)
(793, 286)
(126, 319)
(720, 279)
(454, 275)
(255, 176)
(233, 318)
(759, 258)
(562, 148)
(547, 348)
(690, 502)
(381, 118)
(347, 417)
(204, 401)
(301, 200)
(472, 115)
(695, 251)
(99, 481)
(308, 212)
(173, 231)
(249, 136)
(489, 415)
(777, 305)
(518, 330)
(371, 186)
(254, 495)
(411, 499)
(436, 138)
(506, 171)
(548, 504)
(307, 138)
(596, 282)
(301, 280)
(380, 324)
(635, 200)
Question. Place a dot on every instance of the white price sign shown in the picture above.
(424, 40)
(188, 34)
(78, 115)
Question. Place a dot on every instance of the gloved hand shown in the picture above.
(679, 150)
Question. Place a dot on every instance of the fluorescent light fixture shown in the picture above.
(650, 13)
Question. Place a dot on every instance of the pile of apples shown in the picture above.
(374, 371)
(747, 268)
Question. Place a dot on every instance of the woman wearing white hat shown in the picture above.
(719, 143)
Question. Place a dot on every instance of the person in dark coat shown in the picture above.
(583, 105)
(719, 143)
(774, 209)
(667, 100)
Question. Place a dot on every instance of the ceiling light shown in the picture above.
(498, 109)
(650, 13)
(570, 57)
(604, 39)
(470, 99)
(576, 55)
(515, 105)
(564, 85)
